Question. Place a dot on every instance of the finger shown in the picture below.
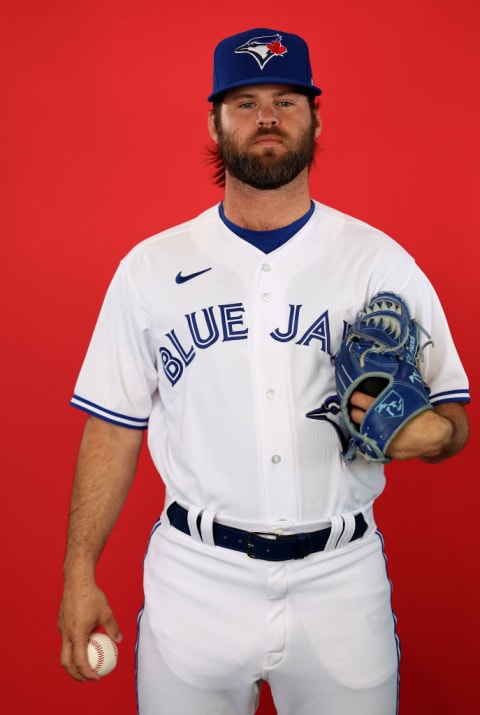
(361, 400)
(74, 659)
(80, 660)
(67, 661)
(357, 415)
(112, 629)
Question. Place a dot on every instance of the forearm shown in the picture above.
(433, 436)
(456, 432)
(105, 470)
(106, 466)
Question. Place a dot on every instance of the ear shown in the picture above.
(212, 130)
(318, 124)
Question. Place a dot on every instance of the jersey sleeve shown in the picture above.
(441, 366)
(118, 377)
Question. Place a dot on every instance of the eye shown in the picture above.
(285, 103)
(246, 105)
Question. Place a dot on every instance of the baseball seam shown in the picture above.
(100, 654)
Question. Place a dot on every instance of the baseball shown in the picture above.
(102, 653)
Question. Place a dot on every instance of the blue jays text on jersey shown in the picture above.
(227, 322)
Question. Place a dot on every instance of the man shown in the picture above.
(218, 335)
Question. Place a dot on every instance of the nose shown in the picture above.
(266, 116)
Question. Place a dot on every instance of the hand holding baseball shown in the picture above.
(83, 611)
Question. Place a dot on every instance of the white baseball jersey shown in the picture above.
(221, 350)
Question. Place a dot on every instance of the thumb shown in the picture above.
(112, 629)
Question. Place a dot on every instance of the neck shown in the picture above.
(260, 210)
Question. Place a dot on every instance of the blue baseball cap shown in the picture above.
(261, 56)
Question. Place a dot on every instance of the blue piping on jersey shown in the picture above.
(397, 640)
(140, 614)
(450, 396)
(108, 415)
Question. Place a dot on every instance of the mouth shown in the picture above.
(267, 140)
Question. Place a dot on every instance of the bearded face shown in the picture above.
(269, 168)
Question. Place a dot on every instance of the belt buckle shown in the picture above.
(303, 544)
(251, 547)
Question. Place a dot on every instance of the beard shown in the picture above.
(268, 170)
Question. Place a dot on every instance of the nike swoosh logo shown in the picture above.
(183, 279)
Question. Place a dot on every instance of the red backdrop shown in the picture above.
(103, 131)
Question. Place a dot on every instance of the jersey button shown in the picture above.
(271, 394)
(266, 267)
(276, 459)
(267, 297)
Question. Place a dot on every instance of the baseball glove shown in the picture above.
(379, 356)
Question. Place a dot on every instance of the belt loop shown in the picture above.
(193, 513)
(337, 525)
(206, 527)
(348, 530)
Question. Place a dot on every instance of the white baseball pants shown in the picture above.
(216, 623)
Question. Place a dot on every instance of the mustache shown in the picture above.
(263, 131)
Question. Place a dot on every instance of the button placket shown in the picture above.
(276, 438)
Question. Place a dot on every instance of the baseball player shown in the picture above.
(218, 336)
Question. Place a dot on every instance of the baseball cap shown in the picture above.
(261, 56)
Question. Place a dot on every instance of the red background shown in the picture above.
(103, 131)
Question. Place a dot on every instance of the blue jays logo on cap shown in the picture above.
(280, 58)
(264, 48)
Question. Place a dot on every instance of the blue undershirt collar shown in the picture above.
(267, 241)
